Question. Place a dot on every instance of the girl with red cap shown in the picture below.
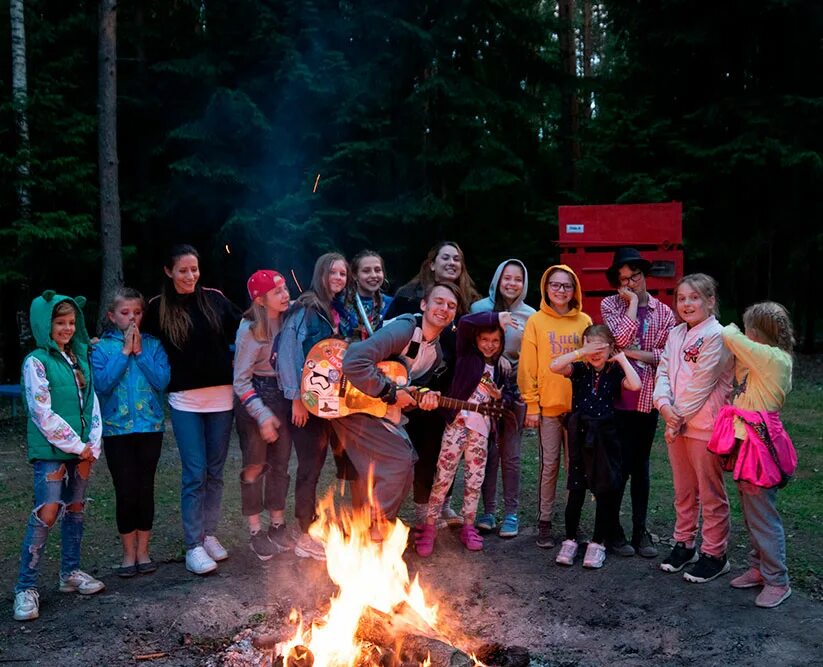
(262, 415)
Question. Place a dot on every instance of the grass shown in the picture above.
(800, 502)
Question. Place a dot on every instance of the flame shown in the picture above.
(370, 575)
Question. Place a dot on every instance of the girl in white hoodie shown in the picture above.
(692, 384)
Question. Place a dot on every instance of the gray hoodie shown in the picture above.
(518, 309)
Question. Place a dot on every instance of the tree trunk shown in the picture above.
(569, 120)
(587, 57)
(20, 100)
(110, 237)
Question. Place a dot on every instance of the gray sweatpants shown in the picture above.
(386, 449)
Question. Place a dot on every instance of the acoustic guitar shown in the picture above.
(327, 393)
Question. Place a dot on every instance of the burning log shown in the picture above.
(299, 656)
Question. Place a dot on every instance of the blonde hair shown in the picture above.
(61, 310)
(259, 318)
(705, 286)
(772, 323)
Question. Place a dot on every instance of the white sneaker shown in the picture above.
(27, 605)
(308, 547)
(214, 549)
(199, 562)
(595, 556)
(80, 582)
(568, 550)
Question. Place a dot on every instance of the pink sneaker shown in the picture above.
(424, 542)
(749, 579)
(771, 596)
(471, 538)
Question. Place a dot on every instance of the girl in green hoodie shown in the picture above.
(63, 434)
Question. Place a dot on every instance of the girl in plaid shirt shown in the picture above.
(640, 324)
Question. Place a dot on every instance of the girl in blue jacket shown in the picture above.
(131, 372)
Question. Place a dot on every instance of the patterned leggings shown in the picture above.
(457, 441)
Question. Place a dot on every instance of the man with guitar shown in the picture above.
(382, 444)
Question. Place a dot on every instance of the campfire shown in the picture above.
(379, 616)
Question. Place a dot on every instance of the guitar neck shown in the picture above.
(456, 404)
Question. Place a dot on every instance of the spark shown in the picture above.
(228, 250)
(314, 189)
(296, 282)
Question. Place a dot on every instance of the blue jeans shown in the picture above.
(203, 443)
(55, 482)
(765, 527)
(504, 452)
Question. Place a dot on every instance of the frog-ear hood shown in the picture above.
(40, 316)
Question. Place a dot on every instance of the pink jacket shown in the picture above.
(751, 459)
(695, 376)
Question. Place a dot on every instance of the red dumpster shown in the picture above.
(589, 235)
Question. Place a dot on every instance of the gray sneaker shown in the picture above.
(644, 546)
(281, 538)
(260, 545)
(308, 547)
(620, 548)
(544, 535)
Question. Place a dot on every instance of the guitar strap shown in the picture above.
(361, 311)
(417, 337)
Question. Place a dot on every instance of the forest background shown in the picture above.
(469, 120)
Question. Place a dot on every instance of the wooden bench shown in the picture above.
(14, 393)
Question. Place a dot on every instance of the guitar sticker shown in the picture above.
(319, 381)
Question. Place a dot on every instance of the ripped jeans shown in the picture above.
(55, 482)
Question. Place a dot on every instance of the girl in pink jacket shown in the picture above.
(692, 383)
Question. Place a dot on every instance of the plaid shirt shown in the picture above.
(659, 321)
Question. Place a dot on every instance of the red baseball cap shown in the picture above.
(262, 281)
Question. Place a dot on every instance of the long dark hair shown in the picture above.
(465, 285)
(352, 289)
(319, 296)
(175, 322)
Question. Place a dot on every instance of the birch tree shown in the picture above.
(20, 98)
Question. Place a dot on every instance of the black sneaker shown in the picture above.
(644, 545)
(281, 538)
(707, 568)
(260, 545)
(679, 558)
(544, 535)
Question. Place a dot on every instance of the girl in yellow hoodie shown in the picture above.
(557, 328)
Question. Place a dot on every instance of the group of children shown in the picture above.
(552, 369)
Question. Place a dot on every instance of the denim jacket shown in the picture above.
(302, 328)
(130, 388)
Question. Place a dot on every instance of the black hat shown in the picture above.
(623, 256)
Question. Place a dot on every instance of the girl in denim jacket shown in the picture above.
(131, 372)
(692, 383)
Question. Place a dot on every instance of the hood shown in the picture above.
(40, 317)
(496, 280)
(578, 292)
